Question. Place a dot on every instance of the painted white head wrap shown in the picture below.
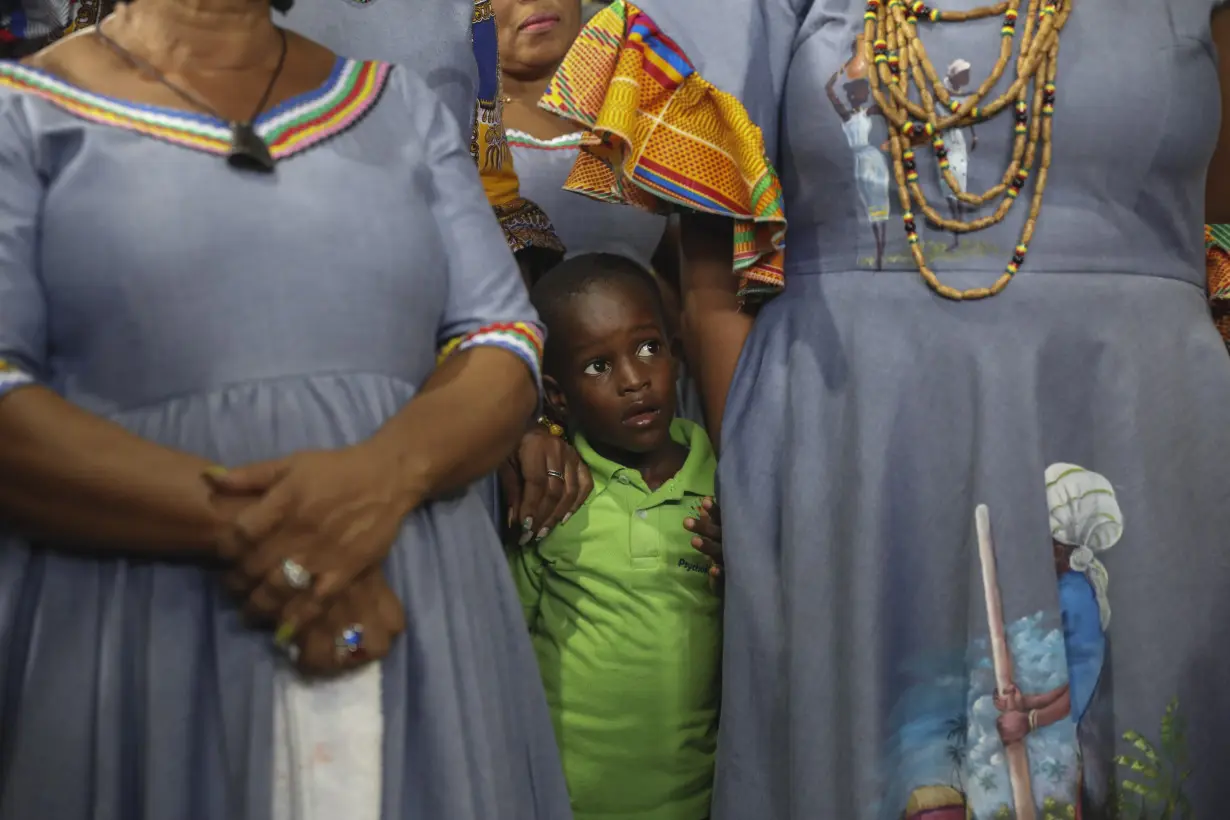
(954, 68)
(1085, 515)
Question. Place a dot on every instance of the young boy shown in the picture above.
(623, 617)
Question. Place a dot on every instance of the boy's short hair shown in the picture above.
(552, 294)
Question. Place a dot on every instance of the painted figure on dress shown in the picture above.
(956, 80)
(857, 114)
(1085, 522)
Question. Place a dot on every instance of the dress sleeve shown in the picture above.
(487, 303)
(679, 101)
(526, 226)
(23, 309)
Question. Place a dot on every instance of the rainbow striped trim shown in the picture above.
(352, 89)
(523, 339)
(12, 376)
(565, 142)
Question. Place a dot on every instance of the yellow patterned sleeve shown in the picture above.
(661, 137)
(1217, 255)
(525, 225)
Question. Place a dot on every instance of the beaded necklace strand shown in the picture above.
(892, 46)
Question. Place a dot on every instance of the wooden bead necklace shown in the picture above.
(891, 45)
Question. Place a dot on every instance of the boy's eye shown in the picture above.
(650, 348)
(597, 368)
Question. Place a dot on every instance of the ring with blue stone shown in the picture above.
(350, 643)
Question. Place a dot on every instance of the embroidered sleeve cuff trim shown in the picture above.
(523, 339)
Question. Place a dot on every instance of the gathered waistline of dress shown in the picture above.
(163, 401)
(968, 277)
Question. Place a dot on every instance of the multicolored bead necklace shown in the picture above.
(891, 44)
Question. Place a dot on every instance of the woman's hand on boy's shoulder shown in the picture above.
(706, 529)
(544, 482)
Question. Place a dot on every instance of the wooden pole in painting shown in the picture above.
(1016, 754)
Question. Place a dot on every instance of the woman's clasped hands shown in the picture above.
(306, 553)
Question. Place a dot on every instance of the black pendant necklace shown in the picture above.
(248, 151)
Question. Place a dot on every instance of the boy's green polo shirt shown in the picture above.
(628, 636)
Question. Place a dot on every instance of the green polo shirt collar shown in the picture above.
(694, 478)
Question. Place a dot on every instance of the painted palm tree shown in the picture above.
(958, 743)
(1054, 770)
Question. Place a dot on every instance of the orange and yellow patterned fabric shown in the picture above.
(1217, 249)
(658, 136)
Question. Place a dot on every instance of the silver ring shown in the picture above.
(297, 577)
(350, 642)
(555, 474)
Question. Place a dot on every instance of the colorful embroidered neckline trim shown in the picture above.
(521, 139)
(352, 89)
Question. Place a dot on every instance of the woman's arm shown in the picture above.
(71, 476)
(714, 325)
(834, 100)
(64, 473)
(1045, 700)
(474, 409)
(469, 417)
(1217, 190)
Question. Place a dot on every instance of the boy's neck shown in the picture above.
(656, 468)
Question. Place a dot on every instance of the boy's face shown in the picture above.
(613, 373)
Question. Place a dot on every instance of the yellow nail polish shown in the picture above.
(215, 470)
(285, 633)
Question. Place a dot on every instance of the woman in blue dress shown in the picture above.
(453, 46)
(864, 417)
(222, 246)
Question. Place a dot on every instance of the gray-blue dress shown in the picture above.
(583, 225)
(242, 317)
(869, 419)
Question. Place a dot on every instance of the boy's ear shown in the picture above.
(557, 403)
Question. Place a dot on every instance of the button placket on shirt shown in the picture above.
(644, 548)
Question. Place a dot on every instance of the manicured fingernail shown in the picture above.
(564, 520)
(528, 525)
(285, 633)
(543, 533)
(698, 543)
(689, 522)
(215, 471)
